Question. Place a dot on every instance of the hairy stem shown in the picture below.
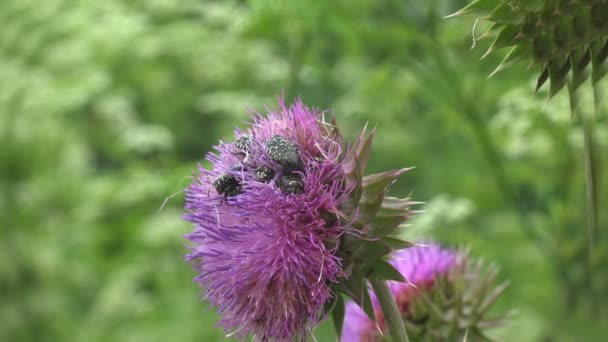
(396, 327)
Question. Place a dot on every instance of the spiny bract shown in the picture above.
(567, 38)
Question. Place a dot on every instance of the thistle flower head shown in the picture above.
(444, 296)
(270, 217)
(265, 224)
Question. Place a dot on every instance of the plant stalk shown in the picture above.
(590, 179)
(394, 321)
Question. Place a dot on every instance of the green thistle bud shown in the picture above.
(568, 39)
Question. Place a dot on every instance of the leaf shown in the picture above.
(543, 46)
(359, 153)
(580, 26)
(396, 243)
(383, 270)
(505, 13)
(579, 60)
(355, 287)
(353, 179)
(599, 67)
(337, 314)
(558, 70)
(508, 36)
(544, 76)
(371, 250)
(382, 225)
(364, 151)
(374, 188)
(517, 54)
(564, 34)
(492, 297)
(599, 54)
(394, 205)
(368, 308)
(332, 129)
(477, 8)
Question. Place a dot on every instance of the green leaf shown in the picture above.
(564, 34)
(492, 31)
(394, 205)
(558, 70)
(371, 250)
(374, 188)
(506, 14)
(580, 25)
(383, 270)
(599, 55)
(381, 225)
(517, 54)
(368, 308)
(508, 36)
(476, 9)
(355, 288)
(353, 178)
(359, 153)
(579, 60)
(396, 243)
(542, 78)
(492, 297)
(337, 314)
(599, 67)
(531, 5)
(543, 46)
(364, 150)
(329, 305)
(333, 130)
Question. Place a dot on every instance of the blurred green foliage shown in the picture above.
(107, 106)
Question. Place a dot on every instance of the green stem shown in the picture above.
(590, 178)
(504, 183)
(396, 327)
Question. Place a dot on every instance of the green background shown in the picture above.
(107, 106)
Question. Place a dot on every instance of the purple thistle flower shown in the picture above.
(446, 297)
(265, 221)
(420, 266)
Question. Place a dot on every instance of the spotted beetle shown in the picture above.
(264, 174)
(283, 152)
(242, 143)
(291, 183)
(227, 184)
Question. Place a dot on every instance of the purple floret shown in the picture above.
(264, 252)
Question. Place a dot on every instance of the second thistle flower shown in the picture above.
(447, 297)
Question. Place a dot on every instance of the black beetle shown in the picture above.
(264, 174)
(242, 143)
(283, 152)
(291, 183)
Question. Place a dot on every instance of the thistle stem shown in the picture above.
(590, 179)
(396, 327)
